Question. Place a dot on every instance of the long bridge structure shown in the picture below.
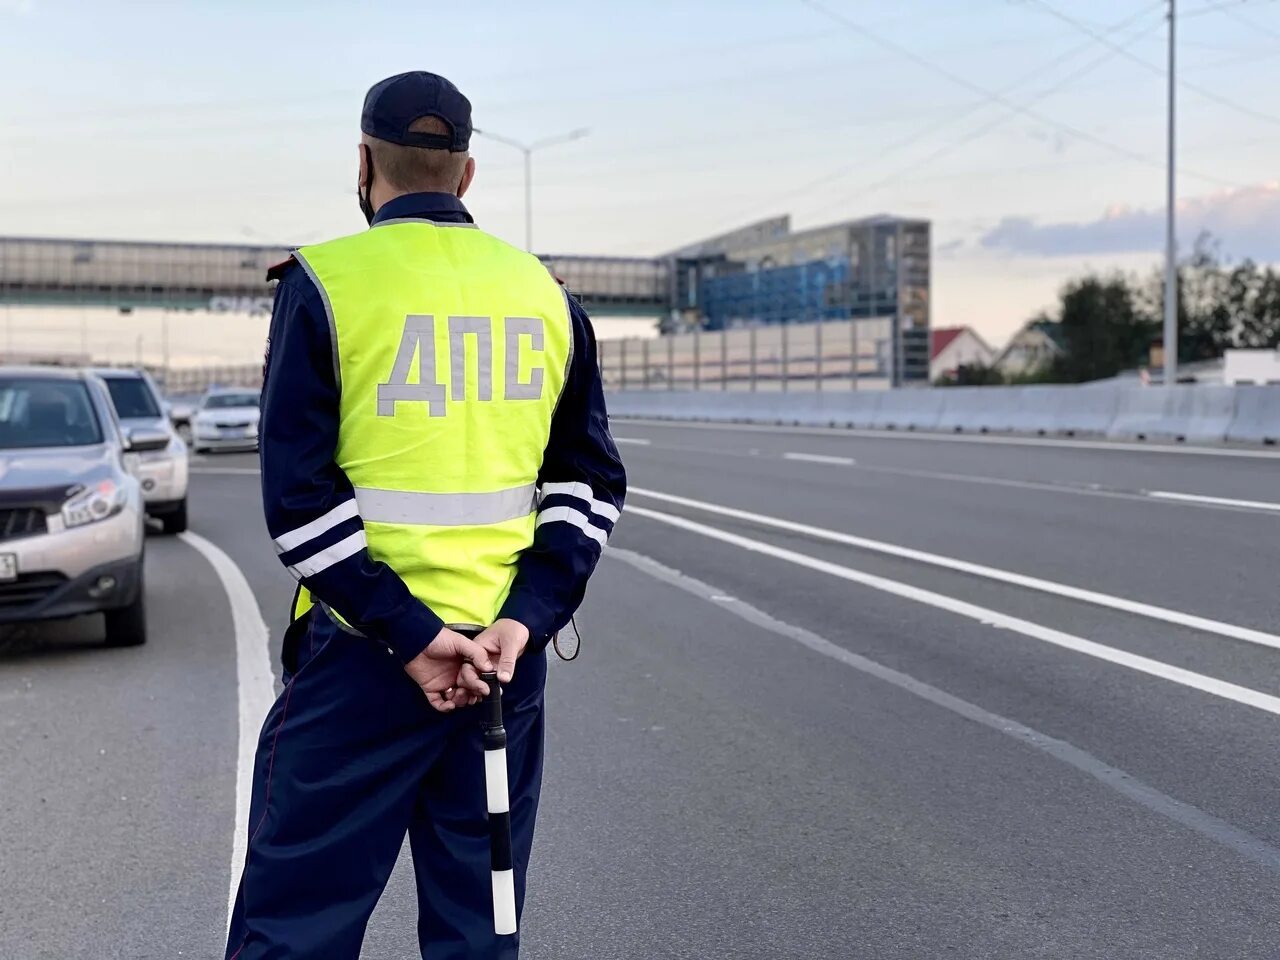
(871, 270)
(220, 277)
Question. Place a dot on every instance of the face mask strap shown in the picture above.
(366, 198)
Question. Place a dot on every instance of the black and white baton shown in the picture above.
(499, 801)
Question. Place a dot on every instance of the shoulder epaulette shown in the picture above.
(276, 270)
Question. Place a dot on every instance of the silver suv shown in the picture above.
(71, 514)
(163, 472)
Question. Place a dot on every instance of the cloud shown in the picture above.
(20, 7)
(1246, 221)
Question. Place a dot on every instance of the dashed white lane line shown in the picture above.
(820, 458)
(1121, 781)
(1222, 629)
(255, 683)
(1213, 501)
(984, 615)
(638, 441)
(1047, 486)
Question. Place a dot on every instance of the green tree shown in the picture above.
(1219, 306)
(1103, 327)
(1259, 318)
(971, 375)
(1206, 294)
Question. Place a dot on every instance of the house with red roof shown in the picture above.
(953, 347)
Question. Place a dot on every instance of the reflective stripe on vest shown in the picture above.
(452, 349)
(445, 509)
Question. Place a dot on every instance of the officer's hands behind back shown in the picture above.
(505, 640)
(447, 671)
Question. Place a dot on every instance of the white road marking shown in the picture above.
(1076, 489)
(1213, 501)
(255, 682)
(1088, 490)
(820, 458)
(1120, 781)
(957, 438)
(984, 615)
(1048, 486)
(638, 441)
(1221, 628)
(241, 471)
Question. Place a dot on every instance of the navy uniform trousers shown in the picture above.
(350, 760)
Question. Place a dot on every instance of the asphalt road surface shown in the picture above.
(840, 695)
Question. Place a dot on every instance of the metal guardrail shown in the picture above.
(1185, 413)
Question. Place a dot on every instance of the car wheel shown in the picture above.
(176, 522)
(127, 626)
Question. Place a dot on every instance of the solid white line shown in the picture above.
(638, 441)
(954, 438)
(1215, 501)
(255, 683)
(1121, 781)
(820, 458)
(993, 618)
(1222, 629)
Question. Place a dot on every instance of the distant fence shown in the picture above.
(1191, 412)
(835, 355)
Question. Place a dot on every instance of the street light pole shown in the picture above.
(1170, 253)
(528, 200)
(527, 149)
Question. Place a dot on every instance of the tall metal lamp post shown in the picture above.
(527, 149)
(1171, 252)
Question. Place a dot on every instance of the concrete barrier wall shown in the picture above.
(1189, 413)
(1257, 416)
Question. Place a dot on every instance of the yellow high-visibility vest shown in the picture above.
(451, 352)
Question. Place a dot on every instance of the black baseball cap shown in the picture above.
(391, 105)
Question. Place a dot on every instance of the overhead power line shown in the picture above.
(986, 128)
(996, 96)
(931, 129)
(1149, 66)
(1252, 24)
(1221, 6)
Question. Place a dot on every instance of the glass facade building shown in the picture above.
(876, 268)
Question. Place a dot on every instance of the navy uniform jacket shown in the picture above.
(301, 483)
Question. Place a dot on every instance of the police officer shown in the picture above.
(438, 475)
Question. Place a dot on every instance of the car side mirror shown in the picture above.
(142, 440)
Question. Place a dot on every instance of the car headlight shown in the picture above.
(96, 503)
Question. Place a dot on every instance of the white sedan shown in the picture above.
(227, 419)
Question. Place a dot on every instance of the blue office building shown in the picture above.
(874, 269)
